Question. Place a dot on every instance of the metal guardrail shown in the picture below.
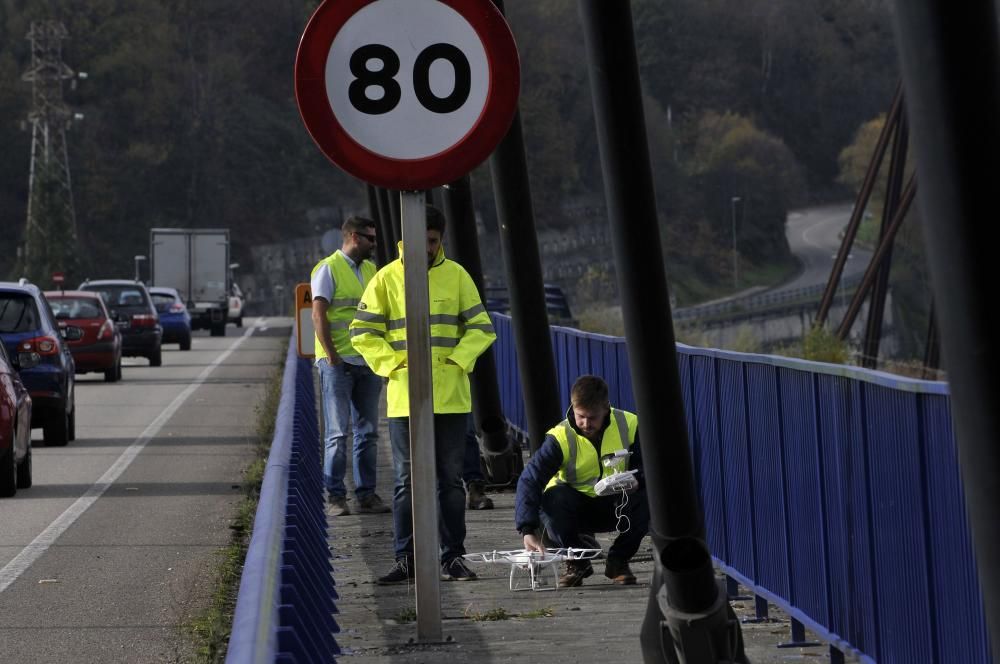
(833, 492)
(284, 610)
(760, 301)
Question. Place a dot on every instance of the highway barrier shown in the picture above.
(831, 491)
(286, 602)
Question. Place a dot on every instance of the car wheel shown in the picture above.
(71, 427)
(8, 474)
(118, 369)
(239, 322)
(56, 433)
(24, 471)
(219, 330)
(156, 358)
(111, 375)
(186, 343)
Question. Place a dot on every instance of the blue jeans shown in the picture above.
(566, 513)
(449, 448)
(350, 392)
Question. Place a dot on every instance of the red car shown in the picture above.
(15, 429)
(100, 348)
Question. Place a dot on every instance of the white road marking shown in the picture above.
(38, 546)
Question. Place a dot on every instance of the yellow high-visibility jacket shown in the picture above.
(346, 296)
(581, 469)
(460, 332)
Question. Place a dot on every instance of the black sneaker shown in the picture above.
(456, 570)
(401, 572)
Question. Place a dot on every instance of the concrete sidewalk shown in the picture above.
(483, 621)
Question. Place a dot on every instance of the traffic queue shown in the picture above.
(49, 337)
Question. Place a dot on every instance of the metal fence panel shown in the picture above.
(804, 482)
(961, 629)
(850, 576)
(895, 450)
(770, 514)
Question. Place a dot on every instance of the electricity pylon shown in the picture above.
(50, 234)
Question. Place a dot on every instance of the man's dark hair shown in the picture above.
(589, 392)
(435, 220)
(356, 224)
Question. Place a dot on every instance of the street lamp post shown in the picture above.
(736, 265)
(138, 259)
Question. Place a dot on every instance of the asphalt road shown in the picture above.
(113, 548)
(814, 237)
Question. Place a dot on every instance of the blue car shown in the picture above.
(174, 317)
(30, 333)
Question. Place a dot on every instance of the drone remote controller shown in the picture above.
(616, 483)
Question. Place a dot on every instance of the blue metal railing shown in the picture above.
(284, 611)
(831, 491)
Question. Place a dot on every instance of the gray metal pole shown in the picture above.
(950, 53)
(423, 473)
(688, 618)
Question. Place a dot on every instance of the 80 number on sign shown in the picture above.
(385, 78)
(407, 79)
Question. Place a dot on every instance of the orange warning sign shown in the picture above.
(305, 333)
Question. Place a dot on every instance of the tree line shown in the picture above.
(189, 119)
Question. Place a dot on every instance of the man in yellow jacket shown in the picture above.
(460, 331)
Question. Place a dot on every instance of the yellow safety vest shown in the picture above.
(346, 296)
(460, 332)
(581, 467)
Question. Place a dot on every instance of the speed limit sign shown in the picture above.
(407, 94)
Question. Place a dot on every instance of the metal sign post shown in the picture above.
(410, 95)
(423, 473)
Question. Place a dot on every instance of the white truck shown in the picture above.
(195, 261)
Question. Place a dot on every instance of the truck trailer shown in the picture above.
(195, 261)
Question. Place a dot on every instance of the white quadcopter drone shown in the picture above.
(535, 563)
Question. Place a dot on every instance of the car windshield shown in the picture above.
(75, 307)
(120, 296)
(161, 299)
(18, 313)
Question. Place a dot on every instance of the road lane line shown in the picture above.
(38, 546)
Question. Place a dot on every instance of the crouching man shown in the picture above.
(556, 490)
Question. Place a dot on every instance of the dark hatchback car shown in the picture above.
(132, 309)
(15, 429)
(100, 347)
(29, 331)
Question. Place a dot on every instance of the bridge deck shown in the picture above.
(484, 620)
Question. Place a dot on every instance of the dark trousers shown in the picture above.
(566, 513)
(471, 469)
(449, 454)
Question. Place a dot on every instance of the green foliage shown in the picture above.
(822, 345)
(493, 615)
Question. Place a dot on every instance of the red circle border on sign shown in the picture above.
(407, 174)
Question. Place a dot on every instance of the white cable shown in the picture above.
(620, 515)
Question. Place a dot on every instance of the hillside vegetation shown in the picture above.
(190, 120)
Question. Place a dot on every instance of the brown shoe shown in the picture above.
(478, 500)
(372, 504)
(575, 573)
(619, 572)
(337, 506)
